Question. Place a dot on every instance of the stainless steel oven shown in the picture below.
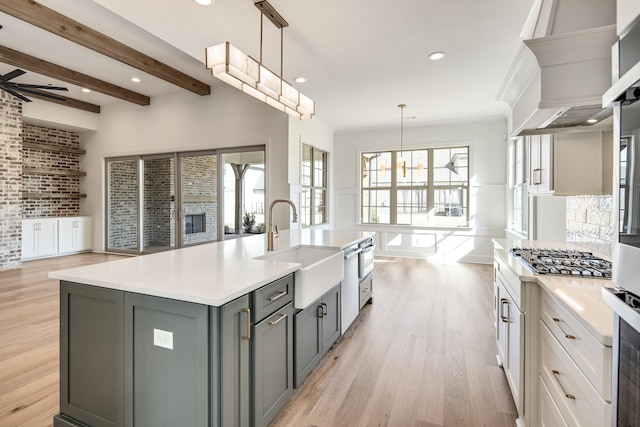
(624, 95)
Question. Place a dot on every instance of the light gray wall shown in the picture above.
(488, 147)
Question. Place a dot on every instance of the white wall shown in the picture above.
(311, 132)
(182, 122)
(488, 150)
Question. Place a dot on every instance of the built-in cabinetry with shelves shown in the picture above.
(46, 237)
(567, 164)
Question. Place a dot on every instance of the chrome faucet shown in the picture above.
(270, 232)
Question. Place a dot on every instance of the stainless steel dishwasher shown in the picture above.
(350, 303)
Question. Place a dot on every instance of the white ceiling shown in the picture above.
(361, 57)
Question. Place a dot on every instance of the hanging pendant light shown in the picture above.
(241, 71)
(402, 164)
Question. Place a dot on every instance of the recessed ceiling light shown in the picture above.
(300, 79)
(204, 2)
(85, 90)
(592, 121)
(135, 79)
(436, 56)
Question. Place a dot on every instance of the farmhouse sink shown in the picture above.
(321, 269)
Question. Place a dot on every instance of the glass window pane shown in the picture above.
(319, 206)
(450, 207)
(306, 165)
(122, 205)
(376, 207)
(305, 209)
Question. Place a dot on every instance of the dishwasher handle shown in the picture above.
(352, 253)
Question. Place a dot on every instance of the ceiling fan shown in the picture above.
(16, 89)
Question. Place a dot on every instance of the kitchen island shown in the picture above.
(198, 336)
(554, 337)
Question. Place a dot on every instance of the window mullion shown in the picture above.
(394, 188)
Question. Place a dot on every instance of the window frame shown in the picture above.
(313, 188)
(429, 185)
(517, 190)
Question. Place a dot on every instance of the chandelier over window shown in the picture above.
(241, 71)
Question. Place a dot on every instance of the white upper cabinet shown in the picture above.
(566, 164)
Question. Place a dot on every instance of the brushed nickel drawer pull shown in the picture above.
(248, 336)
(567, 395)
(566, 335)
(278, 296)
(275, 322)
(324, 309)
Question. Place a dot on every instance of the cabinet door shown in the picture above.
(166, 362)
(48, 237)
(308, 341)
(91, 354)
(272, 365)
(515, 355)
(534, 163)
(546, 164)
(330, 318)
(235, 363)
(84, 240)
(29, 243)
(503, 323)
(66, 229)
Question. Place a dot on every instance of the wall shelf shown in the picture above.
(43, 171)
(52, 148)
(53, 195)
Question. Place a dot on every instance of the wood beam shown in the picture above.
(31, 63)
(56, 23)
(69, 102)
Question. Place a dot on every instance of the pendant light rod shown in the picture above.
(401, 106)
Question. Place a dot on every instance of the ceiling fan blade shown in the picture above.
(48, 87)
(41, 93)
(12, 75)
(16, 94)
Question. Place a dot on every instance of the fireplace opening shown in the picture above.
(195, 223)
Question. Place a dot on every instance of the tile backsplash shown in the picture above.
(590, 223)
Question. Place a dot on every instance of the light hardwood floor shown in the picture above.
(423, 354)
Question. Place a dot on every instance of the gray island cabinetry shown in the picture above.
(128, 359)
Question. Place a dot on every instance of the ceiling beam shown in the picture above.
(31, 63)
(56, 23)
(69, 102)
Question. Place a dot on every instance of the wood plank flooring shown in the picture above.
(423, 354)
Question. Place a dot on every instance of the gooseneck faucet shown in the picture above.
(270, 232)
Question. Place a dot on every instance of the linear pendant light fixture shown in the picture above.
(241, 71)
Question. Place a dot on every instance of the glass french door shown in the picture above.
(158, 203)
(123, 205)
(198, 198)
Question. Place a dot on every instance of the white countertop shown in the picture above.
(580, 296)
(211, 274)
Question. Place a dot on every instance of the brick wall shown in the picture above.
(158, 203)
(590, 223)
(199, 193)
(10, 181)
(123, 205)
(48, 183)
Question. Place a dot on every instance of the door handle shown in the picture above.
(275, 322)
(503, 301)
(248, 335)
(566, 335)
(320, 311)
(278, 296)
(324, 309)
(556, 374)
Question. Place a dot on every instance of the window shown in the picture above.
(428, 187)
(517, 186)
(314, 186)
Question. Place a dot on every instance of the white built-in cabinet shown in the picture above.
(566, 164)
(45, 237)
(74, 234)
(39, 237)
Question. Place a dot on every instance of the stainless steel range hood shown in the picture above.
(563, 67)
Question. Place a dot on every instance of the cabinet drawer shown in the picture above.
(549, 413)
(271, 297)
(593, 358)
(366, 290)
(578, 402)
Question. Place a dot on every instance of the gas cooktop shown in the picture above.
(564, 262)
